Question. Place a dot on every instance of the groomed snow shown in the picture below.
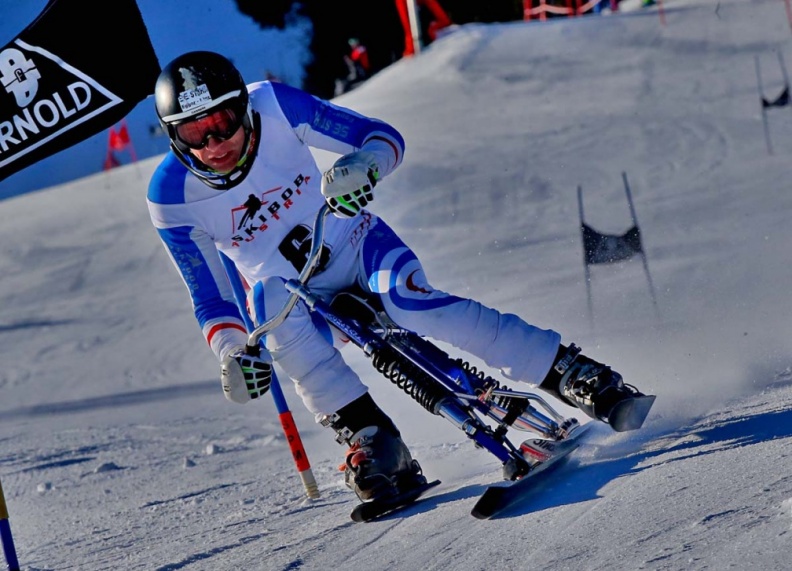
(119, 452)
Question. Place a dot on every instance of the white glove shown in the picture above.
(245, 377)
(347, 185)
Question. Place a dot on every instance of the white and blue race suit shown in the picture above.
(264, 225)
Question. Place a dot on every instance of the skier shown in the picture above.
(357, 65)
(240, 179)
(357, 61)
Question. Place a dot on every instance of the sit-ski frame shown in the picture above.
(446, 387)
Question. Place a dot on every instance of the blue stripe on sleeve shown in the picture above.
(208, 302)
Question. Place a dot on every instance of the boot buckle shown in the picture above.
(566, 361)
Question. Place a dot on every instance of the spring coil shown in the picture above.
(486, 382)
(408, 377)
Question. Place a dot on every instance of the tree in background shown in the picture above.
(374, 22)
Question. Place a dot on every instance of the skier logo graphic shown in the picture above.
(252, 216)
(256, 214)
(252, 206)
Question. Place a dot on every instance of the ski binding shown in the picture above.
(543, 456)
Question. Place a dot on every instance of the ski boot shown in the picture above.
(597, 390)
(378, 464)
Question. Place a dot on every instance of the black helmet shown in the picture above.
(194, 85)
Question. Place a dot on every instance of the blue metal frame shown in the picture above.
(451, 409)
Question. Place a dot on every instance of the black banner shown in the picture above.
(781, 101)
(607, 248)
(76, 70)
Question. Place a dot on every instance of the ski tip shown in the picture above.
(631, 413)
(489, 503)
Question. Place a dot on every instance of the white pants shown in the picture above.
(380, 263)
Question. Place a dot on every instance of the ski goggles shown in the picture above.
(220, 124)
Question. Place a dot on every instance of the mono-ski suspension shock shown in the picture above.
(409, 378)
(486, 382)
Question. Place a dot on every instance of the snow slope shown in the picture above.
(118, 451)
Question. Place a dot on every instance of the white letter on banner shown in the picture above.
(5, 135)
(65, 112)
(51, 106)
(75, 96)
(27, 122)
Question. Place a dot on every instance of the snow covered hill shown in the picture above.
(118, 451)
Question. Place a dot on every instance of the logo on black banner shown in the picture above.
(43, 97)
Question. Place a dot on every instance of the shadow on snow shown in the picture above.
(113, 401)
(575, 483)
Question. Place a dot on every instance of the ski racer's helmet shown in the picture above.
(196, 85)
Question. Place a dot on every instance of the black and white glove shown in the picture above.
(347, 185)
(245, 377)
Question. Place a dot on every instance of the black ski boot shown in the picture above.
(596, 389)
(378, 465)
